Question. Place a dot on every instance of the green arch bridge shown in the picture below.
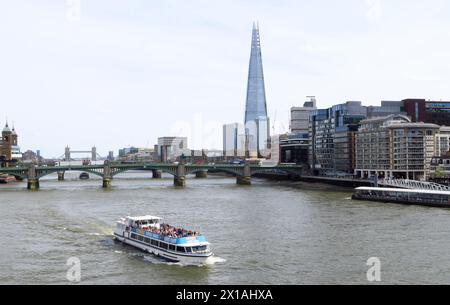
(243, 173)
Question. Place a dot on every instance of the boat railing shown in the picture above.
(168, 239)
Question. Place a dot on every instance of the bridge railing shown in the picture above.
(413, 184)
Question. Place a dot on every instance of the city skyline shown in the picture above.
(103, 80)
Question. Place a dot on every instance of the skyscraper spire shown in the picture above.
(256, 106)
(256, 120)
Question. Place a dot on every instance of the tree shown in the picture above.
(439, 172)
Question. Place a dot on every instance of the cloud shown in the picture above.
(125, 72)
(374, 10)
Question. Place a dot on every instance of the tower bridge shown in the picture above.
(67, 156)
(108, 170)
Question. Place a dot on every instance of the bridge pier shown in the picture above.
(107, 183)
(157, 174)
(245, 179)
(201, 174)
(32, 180)
(179, 181)
(180, 178)
(33, 184)
(61, 176)
(107, 176)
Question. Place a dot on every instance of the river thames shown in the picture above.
(269, 233)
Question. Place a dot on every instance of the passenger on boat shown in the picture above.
(170, 231)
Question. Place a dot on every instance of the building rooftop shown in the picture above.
(6, 128)
(385, 118)
(415, 125)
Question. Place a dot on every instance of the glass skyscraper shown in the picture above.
(256, 120)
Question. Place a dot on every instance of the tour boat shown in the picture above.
(173, 244)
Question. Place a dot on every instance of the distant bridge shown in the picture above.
(67, 156)
(243, 173)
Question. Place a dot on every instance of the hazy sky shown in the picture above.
(114, 73)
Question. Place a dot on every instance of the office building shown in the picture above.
(294, 148)
(434, 112)
(300, 117)
(170, 148)
(387, 108)
(234, 141)
(332, 138)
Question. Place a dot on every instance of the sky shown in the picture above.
(115, 73)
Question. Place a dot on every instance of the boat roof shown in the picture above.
(147, 217)
(195, 244)
(386, 189)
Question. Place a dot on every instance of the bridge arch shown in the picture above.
(217, 170)
(52, 171)
(117, 171)
(278, 170)
(19, 176)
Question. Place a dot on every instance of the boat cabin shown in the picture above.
(143, 222)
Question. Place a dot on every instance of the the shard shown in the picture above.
(256, 94)
(256, 119)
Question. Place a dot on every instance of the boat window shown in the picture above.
(147, 240)
(155, 242)
(133, 236)
(199, 248)
(188, 249)
(163, 245)
(172, 247)
(181, 249)
(141, 238)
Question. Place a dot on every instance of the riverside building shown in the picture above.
(394, 147)
(9, 147)
(332, 138)
(435, 112)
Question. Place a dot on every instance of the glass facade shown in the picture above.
(332, 137)
(256, 95)
(256, 119)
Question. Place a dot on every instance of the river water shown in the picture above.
(269, 233)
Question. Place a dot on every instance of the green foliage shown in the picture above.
(439, 172)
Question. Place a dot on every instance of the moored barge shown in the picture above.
(430, 198)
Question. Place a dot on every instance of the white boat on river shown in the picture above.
(173, 244)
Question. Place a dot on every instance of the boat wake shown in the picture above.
(212, 260)
(100, 234)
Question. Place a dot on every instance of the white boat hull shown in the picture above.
(167, 255)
